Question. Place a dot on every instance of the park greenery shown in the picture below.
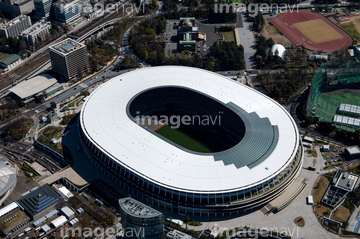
(18, 129)
(284, 86)
(204, 9)
(126, 63)
(101, 53)
(258, 22)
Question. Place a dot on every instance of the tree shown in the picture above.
(22, 45)
(53, 104)
(79, 74)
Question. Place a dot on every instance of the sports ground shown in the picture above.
(328, 102)
(182, 139)
(311, 30)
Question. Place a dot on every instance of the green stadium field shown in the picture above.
(182, 139)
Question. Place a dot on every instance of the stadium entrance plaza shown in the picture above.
(281, 221)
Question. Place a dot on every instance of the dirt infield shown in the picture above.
(311, 30)
(318, 31)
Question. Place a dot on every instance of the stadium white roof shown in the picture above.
(8, 176)
(33, 86)
(105, 120)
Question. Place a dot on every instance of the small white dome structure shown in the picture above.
(278, 50)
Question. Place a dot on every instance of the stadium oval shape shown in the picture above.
(265, 161)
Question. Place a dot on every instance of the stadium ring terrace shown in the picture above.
(255, 151)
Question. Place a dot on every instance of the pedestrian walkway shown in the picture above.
(247, 41)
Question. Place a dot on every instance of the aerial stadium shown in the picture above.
(233, 164)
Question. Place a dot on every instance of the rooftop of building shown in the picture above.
(175, 234)
(39, 199)
(136, 208)
(33, 85)
(38, 26)
(353, 149)
(66, 46)
(65, 2)
(10, 59)
(347, 181)
(14, 21)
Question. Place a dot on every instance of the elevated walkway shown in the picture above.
(286, 197)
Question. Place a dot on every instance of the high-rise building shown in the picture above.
(42, 8)
(68, 58)
(14, 27)
(17, 7)
(36, 32)
(68, 11)
(140, 220)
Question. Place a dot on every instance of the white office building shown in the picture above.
(14, 27)
(36, 32)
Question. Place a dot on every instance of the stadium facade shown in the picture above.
(262, 158)
(334, 94)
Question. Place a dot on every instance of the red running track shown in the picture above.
(284, 22)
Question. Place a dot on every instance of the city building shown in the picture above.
(36, 33)
(45, 218)
(140, 220)
(175, 234)
(58, 222)
(17, 7)
(9, 62)
(67, 212)
(64, 192)
(342, 184)
(251, 168)
(68, 58)
(28, 90)
(188, 34)
(14, 27)
(42, 8)
(352, 152)
(38, 202)
(7, 216)
(68, 11)
(325, 148)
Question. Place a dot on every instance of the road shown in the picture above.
(247, 41)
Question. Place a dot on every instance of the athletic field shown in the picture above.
(311, 30)
(182, 139)
(318, 31)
